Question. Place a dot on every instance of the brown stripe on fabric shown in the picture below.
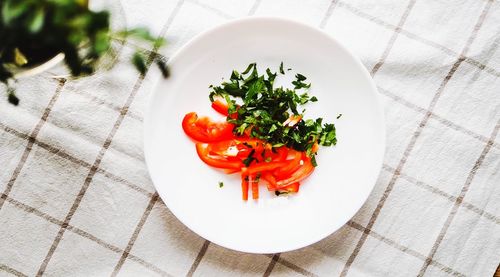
(110, 105)
(420, 184)
(80, 232)
(448, 196)
(436, 117)
(328, 13)
(198, 258)
(14, 132)
(116, 249)
(294, 267)
(61, 153)
(481, 212)
(103, 150)
(271, 265)
(12, 271)
(393, 38)
(148, 265)
(415, 37)
(486, 55)
(399, 168)
(414, 138)
(32, 136)
(125, 182)
(459, 201)
(254, 7)
(32, 210)
(135, 234)
(400, 247)
(107, 174)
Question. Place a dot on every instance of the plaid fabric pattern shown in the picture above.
(76, 199)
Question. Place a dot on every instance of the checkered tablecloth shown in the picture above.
(77, 199)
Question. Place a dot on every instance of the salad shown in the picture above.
(265, 136)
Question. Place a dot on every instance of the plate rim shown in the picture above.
(379, 109)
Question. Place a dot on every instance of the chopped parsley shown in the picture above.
(260, 109)
(221, 184)
(339, 116)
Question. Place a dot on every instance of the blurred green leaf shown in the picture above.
(102, 42)
(139, 62)
(141, 33)
(33, 31)
(36, 20)
(80, 21)
(19, 57)
(12, 10)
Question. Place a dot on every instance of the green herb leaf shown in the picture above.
(248, 160)
(221, 184)
(281, 68)
(265, 111)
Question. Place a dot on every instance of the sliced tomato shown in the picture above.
(262, 167)
(315, 147)
(204, 130)
(282, 153)
(231, 171)
(300, 174)
(255, 187)
(291, 188)
(216, 161)
(291, 166)
(270, 179)
(220, 105)
(244, 184)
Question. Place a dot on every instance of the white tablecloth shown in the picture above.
(77, 200)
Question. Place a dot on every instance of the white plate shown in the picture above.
(327, 199)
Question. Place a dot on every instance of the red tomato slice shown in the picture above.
(292, 187)
(220, 106)
(216, 161)
(244, 184)
(303, 172)
(271, 181)
(261, 167)
(204, 130)
(255, 187)
(291, 166)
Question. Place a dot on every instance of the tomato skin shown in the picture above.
(244, 184)
(220, 106)
(220, 162)
(292, 187)
(270, 179)
(261, 167)
(204, 130)
(291, 166)
(300, 174)
(255, 187)
(218, 147)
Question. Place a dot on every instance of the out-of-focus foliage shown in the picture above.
(33, 31)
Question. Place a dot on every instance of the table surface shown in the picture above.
(77, 199)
